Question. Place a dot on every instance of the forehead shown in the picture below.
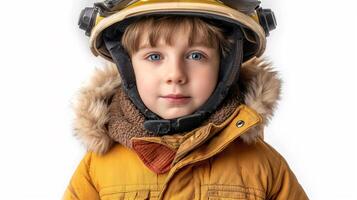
(181, 36)
(152, 32)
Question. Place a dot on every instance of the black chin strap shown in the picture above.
(229, 72)
(170, 126)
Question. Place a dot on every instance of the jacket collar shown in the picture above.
(200, 141)
(259, 84)
(241, 121)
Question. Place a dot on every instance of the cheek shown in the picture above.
(205, 83)
(145, 86)
(145, 82)
(142, 85)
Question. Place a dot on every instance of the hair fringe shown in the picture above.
(164, 27)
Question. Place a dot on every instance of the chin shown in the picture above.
(174, 115)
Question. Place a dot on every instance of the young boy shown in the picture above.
(185, 120)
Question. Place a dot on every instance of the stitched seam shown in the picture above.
(116, 189)
(127, 191)
(242, 186)
(123, 185)
(240, 193)
(243, 189)
(113, 193)
(89, 171)
(278, 179)
(243, 194)
(71, 190)
(250, 193)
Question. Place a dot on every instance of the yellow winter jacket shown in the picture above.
(215, 162)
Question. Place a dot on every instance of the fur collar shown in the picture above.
(259, 84)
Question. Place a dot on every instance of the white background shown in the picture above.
(45, 59)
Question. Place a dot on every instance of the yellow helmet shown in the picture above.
(106, 22)
(255, 21)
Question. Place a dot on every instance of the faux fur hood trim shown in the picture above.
(259, 84)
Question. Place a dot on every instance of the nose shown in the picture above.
(176, 72)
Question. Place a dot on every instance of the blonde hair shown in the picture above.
(200, 32)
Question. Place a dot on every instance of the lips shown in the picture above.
(176, 98)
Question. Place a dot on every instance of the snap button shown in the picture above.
(240, 123)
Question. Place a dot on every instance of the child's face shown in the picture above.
(174, 81)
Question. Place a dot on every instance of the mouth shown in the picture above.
(176, 98)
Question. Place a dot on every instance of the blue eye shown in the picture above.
(154, 57)
(195, 56)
